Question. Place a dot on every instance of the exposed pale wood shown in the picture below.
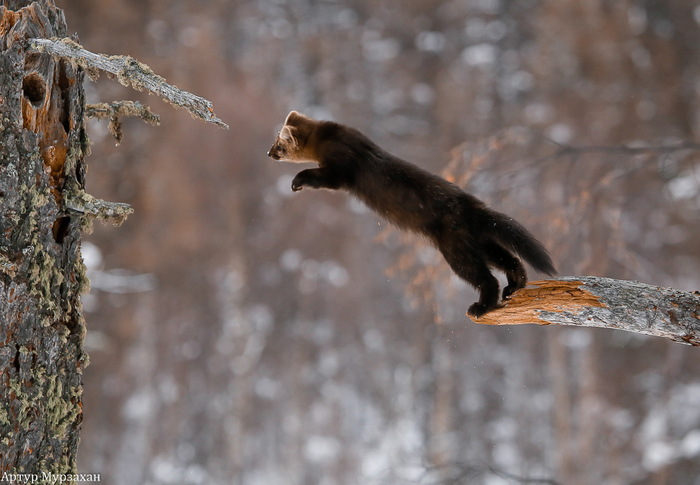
(589, 301)
(129, 72)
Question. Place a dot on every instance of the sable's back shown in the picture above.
(353, 140)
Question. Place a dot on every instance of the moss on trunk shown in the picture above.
(43, 143)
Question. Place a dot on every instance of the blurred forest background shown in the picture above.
(242, 334)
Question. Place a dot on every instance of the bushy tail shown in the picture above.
(511, 234)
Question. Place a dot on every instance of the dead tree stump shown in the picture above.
(43, 144)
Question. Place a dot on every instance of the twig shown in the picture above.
(122, 108)
(84, 203)
(564, 150)
(129, 72)
(589, 301)
(628, 150)
(517, 478)
(467, 473)
(117, 109)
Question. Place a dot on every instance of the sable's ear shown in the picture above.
(292, 116)
(286, 134)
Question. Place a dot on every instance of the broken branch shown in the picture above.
(588, 301)
(84, 203)
(118, 109)
(129, 72)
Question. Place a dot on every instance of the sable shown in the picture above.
(470, 236)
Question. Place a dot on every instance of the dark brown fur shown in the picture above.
(469, 235)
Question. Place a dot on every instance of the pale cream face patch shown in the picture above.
(286, 147)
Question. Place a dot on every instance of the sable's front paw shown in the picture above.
(297, 184)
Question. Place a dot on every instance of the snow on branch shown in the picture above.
(589, 301)
(129, 72)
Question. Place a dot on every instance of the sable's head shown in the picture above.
(292, 143)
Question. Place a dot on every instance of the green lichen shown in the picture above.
(43, 278)
(62, 410)
(77, 151)
(45, 398)
(4, 417)
(83, 282)
(21, 415)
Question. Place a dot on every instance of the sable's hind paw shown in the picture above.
(512, 288)
(479, 309)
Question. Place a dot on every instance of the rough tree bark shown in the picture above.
(43, 140)
(43, 208)
(589, 301)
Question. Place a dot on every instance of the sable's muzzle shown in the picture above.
(272, 154)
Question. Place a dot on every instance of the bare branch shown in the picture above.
(588, 301)
(631, 150)
(627, 150)
(84, 203)
(129, 72)
(122, 108)
(117, 109)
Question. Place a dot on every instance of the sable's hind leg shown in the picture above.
(502, 259)
(473, 269)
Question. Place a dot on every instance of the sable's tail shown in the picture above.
(513, 235)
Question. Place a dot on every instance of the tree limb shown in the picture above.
(117, 109)
(129, 72)
(84, 203)
(588, 301)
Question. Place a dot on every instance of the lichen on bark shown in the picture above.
(42, 146)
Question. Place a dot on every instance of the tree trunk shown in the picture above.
(43, 143)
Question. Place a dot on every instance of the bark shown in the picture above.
(43, 143)
(589, 301)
